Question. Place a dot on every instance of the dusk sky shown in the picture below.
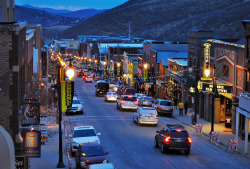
(72, 4)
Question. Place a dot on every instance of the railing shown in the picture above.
(244, 101)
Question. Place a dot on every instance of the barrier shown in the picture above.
(232, 145)
(214, 138)
(198, 128)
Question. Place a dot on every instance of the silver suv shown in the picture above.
(164, 106)
(127, 102)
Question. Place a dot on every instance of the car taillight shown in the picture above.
(167, 139)
(158, 107)
(178, 130)
(129, 96)
(139, 116)
(122, 101)
(143, 100)
(107, 95)
(137, 102)
(189, 140)
(156, 117)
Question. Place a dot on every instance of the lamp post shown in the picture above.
(60, 162)
(118, 68)
(145, 71)
(96, 64)
(215, 95)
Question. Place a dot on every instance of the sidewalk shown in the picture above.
(224, 136)
(50, 151)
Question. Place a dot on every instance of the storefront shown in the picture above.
(223, 105)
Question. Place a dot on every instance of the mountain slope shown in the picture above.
(84, 13)
(33, 16)
(167, 19)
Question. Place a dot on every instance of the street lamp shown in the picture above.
(145, 71)
(70, 73)
(118, 68)
(215, 95)
(207, 72)
(60, 162)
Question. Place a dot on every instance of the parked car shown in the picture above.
(89, 153)
(146, 115)
(102, 88)
(130, 91)
(102, 166)
(111, 96)
(146, 101)
(127, 102)
(76, 107)
(83, 134)
(173, 137)
(164, 107)
(88, 79)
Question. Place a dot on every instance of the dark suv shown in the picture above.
(173, 136)
(89, 153)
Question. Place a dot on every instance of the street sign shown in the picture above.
(32, 144)
(19, 162)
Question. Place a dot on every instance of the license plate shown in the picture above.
(149, 117)
(178, 140)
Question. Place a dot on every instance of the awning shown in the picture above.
(228, 95)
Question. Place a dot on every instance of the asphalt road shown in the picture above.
(131, 146)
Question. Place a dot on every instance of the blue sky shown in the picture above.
(72, 4)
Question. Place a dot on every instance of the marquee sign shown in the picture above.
(208, 87)
(207, 56)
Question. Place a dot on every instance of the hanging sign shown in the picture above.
(32, 144)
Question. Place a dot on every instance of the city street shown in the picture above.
(131, 146)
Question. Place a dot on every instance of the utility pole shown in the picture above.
(215, 95)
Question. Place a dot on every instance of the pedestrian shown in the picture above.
(180, 106)
(186, 107)
(164, 95)
(175, 103)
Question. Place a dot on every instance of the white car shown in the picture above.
(88, 79)
(146, 115)
(83, 134)
(111, 96)
(102, 166)
(76, 107)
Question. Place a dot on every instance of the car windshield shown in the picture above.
(92, 151)
(76, 102)
(166, 103)
(129, 99)
(176, 134)
(148, 98)
(84, 133)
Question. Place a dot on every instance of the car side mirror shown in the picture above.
(98, 134)
(70, 136)
(157, 131)
(106, 153)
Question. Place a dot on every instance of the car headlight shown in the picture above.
(83, 164)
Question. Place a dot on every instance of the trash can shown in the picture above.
(228, 123)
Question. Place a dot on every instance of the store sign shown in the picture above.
(32, 144)
(69, 92)
(207, 56)
(221, 88)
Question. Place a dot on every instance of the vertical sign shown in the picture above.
(32, 144)
(206, 56)
(63, 95)
(69, 92)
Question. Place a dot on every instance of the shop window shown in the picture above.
(225, 71)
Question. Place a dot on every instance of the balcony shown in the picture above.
(244, 101)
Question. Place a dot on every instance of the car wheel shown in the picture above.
(156, 144)
(72, 154)
(81, 112)
(138, 123)
(156, 125)
(163, 149)
(134, 119)
(187, 152)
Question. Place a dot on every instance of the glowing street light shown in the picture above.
(70, 73)
(207, 72)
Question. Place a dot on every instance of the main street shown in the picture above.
(131, 146)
